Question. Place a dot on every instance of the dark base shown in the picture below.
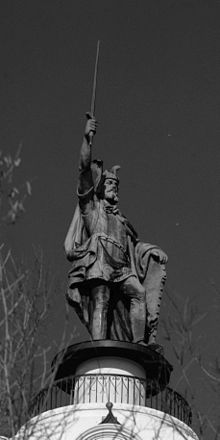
(157, 368)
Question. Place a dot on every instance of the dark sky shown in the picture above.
(158, 102)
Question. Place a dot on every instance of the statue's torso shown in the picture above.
(99, 220)
(107, 234)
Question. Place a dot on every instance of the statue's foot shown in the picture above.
(156, 347)
(141, 342)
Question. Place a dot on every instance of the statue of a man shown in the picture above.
(116, 281)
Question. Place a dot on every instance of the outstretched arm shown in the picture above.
(85, 173)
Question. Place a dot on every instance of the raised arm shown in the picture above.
(85, 174)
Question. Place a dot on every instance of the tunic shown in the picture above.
(104, 254)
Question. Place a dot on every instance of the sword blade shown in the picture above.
(95, 80)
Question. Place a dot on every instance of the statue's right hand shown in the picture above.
(91, 126)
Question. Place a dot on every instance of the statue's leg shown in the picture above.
(132, 288)
(100, 294)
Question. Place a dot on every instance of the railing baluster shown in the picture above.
(134, 385)
(128, 388)
(78, 390)
(84, 386)
(96, 388)
(115, 377)
(71, 394)
(122, 386)
(119, 388)
(90, 382)
(109, 388)
(103, 387)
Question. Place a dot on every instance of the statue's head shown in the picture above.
(107, 182)
(111, 185)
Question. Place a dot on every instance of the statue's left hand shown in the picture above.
(159, 255)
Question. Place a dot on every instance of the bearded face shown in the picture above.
(111, 191)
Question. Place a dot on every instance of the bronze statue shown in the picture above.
(116, 281)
